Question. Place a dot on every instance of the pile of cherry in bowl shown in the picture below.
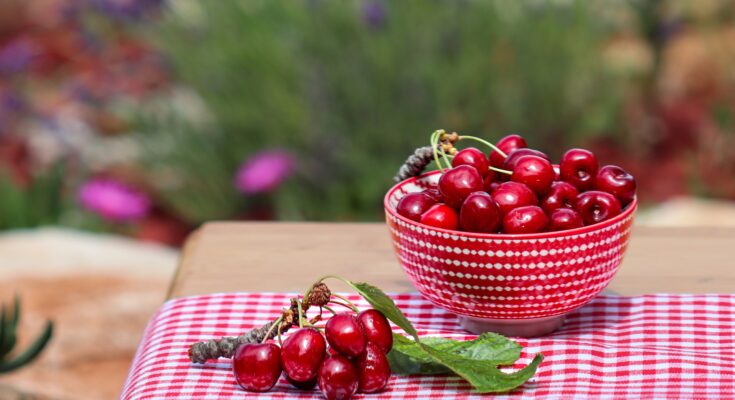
(517, 190)
(355, 359)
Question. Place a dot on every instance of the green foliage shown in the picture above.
(40, 203)
(354, 99)
(9, 320)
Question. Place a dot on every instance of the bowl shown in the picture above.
(516, 285)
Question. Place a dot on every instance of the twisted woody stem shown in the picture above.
(319, 295)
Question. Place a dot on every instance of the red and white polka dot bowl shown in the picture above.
(518, 285)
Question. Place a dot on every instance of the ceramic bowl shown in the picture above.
(518, 285)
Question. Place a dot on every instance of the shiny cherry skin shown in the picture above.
(345, 334)
(491, 186)
(616, 181)
(595, 206)
(508, 144)
(338, 378)
(434, 194)
(557, 172)
(457, 183)
(480, 213)
(561, 195)
(562, 219)
(534, 172)
(579, 167)
(308, 385)
(413, 205)
(257, 366)
(526, 219)
(377, 329)
(472, 157)
(513, 157)
(302, 353)
(510, 195)
(441, 216)
(373, 369)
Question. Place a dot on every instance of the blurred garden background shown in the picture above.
(148, 117)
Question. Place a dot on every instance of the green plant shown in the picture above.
(39, 203)
(9, 320)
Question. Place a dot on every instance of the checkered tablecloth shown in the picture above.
(649, 347)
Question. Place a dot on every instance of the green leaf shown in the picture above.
(31, 353)
(408, 358)
(8, 337)
(381, 302)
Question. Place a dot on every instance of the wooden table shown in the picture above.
(287, 257)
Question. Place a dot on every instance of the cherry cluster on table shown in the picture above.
(354, 361)
(533, 196)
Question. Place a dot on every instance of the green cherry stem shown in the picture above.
(278, 323)
(329, 309)
(346, 303)
(301, 314)
(486, 143)
(502, 171)
(434, 140)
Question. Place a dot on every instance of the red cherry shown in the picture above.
(441, 216)
(337, 378)
(302, 353)
(508, 144)
(434, 194)
(413, 205)
(557, 172)
(562, 219)
(596, 206)
(579, 167)
(457, 183)
(562, 195)
(510, 195)
(373, 369)
(534, 172)
(480, 213)
(472, 157)
(345, 334)
(526, 219)
(513, 157)
(308, 385)
(490, 187)
(257, 366)
(377, 329)
(616, 181)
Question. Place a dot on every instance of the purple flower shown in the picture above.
(128, 10)
(16, 56)
(264, 171)
(373, 13)
(114, 201)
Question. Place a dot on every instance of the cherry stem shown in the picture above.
(301, 314)
(502, 171)
(280, 342)
(486, 143)
(434, 140)
(267, 335)
(329, 309)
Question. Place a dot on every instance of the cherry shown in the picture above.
(616, 181)
(562, 219)
(337, 378)
(596, 206)
(579, 167)
(513, 157)
(561, 195)
(490, 187)
(480, 213)
(302, 353)
(441, 216)
(377, 329)
(535, 172)
(472, 157)
(373, 369)
(557, 172)
(308, 385)
(257, 366)
(413, 205)
(526, 219)
(434, 194)
(510, 195)
(345, 334)
(457, 183)
(508, 144)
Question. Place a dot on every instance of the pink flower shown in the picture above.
(114, 201)
(264, 171)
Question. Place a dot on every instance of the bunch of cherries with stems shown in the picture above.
(342, 357)
(515, 189)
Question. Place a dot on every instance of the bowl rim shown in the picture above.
(500, 236)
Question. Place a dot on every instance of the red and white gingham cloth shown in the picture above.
(649, 347)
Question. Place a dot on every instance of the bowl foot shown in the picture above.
(521, 328)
